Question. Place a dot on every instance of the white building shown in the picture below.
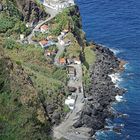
(22, 36)
(58, 4)
(70, 102)
(44, 29)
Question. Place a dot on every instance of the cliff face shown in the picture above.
(77, 28)
(27, 10)
(30, 10)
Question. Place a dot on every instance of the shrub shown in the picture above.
(10, 43)
(6, 23)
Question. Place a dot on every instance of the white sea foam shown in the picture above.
(119, 98)
(116, 78)
(126, 66)
(115, 51)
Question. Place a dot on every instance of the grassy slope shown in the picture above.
(29, 86)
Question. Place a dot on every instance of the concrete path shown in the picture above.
(65, 129)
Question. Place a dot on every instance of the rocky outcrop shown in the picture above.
(102, 91)
(29, 10)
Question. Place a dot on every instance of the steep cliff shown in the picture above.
(27, 10)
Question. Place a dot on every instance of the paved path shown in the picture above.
(65, 129)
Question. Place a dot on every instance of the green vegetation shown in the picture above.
(31, 89)
(27, 84)
(10, 43)
(6, 22)
(74, 49)
(60, 22)
(12, 26)
(68, 19)
(13, 10)
(39, 36)
(66, 109)
(89, 57)
(86, 78)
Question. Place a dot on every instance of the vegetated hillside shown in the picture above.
(27, 10)
(31, 96)
(32, 91)
(21, 112)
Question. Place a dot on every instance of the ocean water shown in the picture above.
(116, 24)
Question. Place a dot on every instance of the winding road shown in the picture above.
(52, 14)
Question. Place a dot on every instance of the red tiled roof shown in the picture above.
(44, 27)
(62, 60)
(43, 42)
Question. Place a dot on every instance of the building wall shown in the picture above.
(57, 5)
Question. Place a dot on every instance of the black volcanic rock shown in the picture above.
(102, 91)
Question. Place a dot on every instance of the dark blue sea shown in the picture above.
(116, 24)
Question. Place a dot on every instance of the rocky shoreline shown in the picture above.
(102, 91)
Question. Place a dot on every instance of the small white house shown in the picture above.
(77, 61)
(62, 42)
(43, 43)
(44, 28)
(58, 4)
(22, 36)
(70, 102)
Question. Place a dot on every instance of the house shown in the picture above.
(22, 36)
(70, 61)
(50, 43)
(62, 61)
(46, 43)
(28, 25)
(60, 37)
(49, 37)
(71, 71)
(70, 102)
(58, 4)
(44, 28)
(77, 61)
(64, 32)
(62, 42)
(49, 52)
(43, 43)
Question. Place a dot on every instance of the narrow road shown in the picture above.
(52, 14)
(65, 129)
(60, 51)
